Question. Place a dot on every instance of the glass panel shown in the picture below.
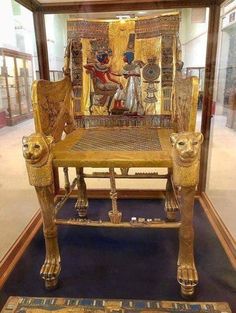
(16, 41)
(221, 176)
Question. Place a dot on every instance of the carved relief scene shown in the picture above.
(123, 67)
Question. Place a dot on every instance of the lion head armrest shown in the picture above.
(186, 148)
(38, 157)
(53, 107)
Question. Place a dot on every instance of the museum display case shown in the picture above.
(136, 77)
(16, 80)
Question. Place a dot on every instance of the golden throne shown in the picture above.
(59, 142)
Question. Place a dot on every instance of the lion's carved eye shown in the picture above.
(26, 145)
(181, 143)
(195, 143)
(36, 146)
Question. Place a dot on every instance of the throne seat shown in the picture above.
(118, 147)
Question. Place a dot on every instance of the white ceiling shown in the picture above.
(113, 15)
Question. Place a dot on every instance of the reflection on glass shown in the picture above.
(16, 78)
(3, 89)
(221, 177)
(29, 81)
(13, 107)
(22, 85)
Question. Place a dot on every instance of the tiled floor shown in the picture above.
(18, 202)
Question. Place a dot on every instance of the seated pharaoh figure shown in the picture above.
(105, 86)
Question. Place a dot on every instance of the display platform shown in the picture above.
(124, 263)
(41, 305)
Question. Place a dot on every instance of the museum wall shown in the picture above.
(193, 37)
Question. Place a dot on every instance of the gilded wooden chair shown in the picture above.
(47, 150)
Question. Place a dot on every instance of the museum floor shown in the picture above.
(18, 202)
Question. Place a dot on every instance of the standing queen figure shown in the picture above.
(133, 92)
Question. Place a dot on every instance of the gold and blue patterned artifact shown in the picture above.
(41, 305)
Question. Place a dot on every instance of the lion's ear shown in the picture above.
(24, 140)
(173, 138)
(199, 137)
(49, 140)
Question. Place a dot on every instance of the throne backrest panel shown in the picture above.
(149, 38)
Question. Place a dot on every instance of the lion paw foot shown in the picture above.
(50, 272)
(188, 278)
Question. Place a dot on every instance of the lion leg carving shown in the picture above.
(187, 275)
(185, 156)
(171, 206)
(51, 268)
(82, 201)
(37, 153)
